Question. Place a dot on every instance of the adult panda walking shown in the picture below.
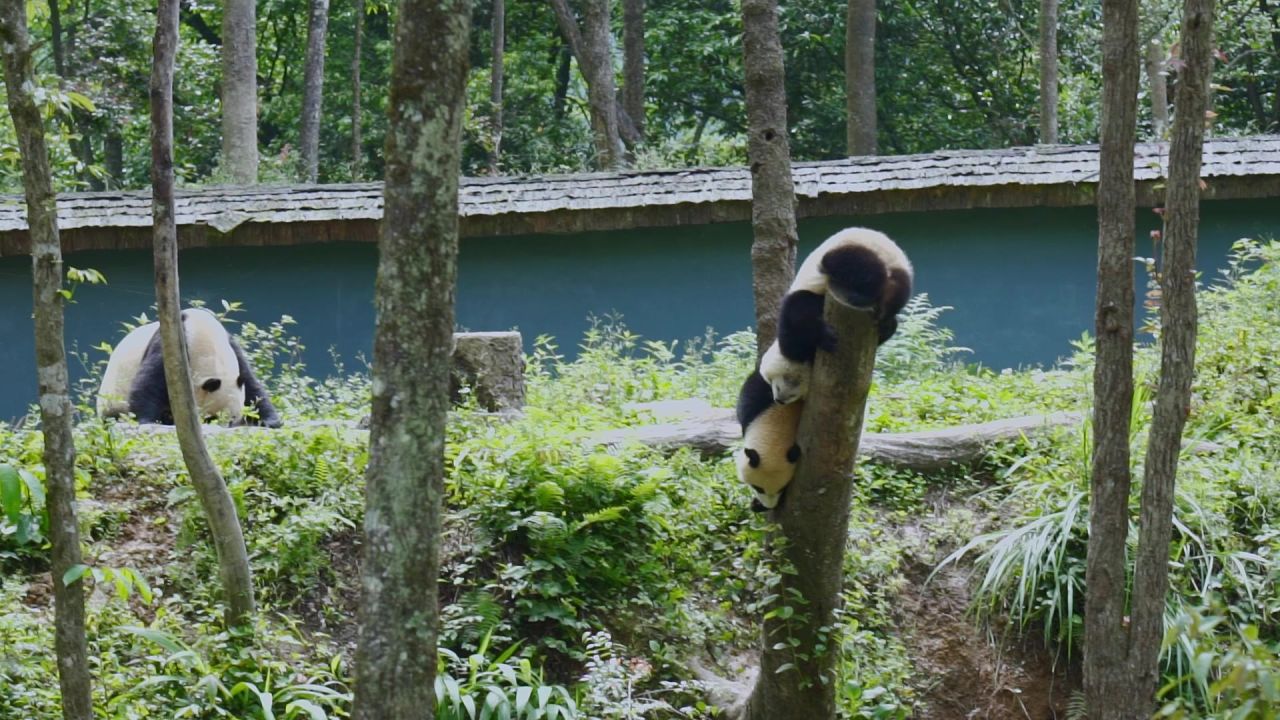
(223, 380)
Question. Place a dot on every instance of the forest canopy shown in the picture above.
(949, 74)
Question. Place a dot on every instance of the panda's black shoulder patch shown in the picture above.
(754, 398)
(149, 394)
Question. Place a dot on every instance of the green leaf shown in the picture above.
(35, 488)
(74, 573)
(81, 101)
(10, 492)
(159, 637)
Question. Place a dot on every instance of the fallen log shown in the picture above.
(713, 431)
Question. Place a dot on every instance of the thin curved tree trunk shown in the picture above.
(592, 64)
(51, 363)
(414, 297)
(1177, 353)
(601, 88)
(1106, 635)
(773, 198)
(860, 76)
(240, 91)
(313, 88)
(499, 30)
(1049, 71)
(219, 510)
(357, 120)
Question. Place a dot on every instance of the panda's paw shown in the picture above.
(888, 326)
(757, 506)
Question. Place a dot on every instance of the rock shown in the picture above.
(491, 366)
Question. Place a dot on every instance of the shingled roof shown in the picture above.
(1058, 175)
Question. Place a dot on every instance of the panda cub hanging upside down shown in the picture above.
(223, 381)
(858, 267)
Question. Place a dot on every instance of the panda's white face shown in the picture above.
(789, 379)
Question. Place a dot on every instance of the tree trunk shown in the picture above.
(495, 82)
(224, 525)
(1177, 350)
(55, 32)
(601, 89)
(773, 197)
(357, 142)
(633, 62)
(1106, 637)
(1159, 85)
(417, 262)
(797, 679)
(240, 91)
(313, 89)
(1049, 71)
(594, 62)
(51, 363)
(860, 77)
(113, 155)
(563, 62)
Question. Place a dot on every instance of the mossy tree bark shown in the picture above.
(219, 510)
(773, 196)
(860, 77)
(51, 363)
(797, 677)
(414, 298)
(1178, 323)
(313, 88)
(240, 91)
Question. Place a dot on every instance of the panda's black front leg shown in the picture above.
(149, 394)
(255, 395)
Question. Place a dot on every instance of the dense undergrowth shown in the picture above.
(582, 582)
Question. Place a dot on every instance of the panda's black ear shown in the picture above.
(211, 385)
(793, 455)
(753, 457)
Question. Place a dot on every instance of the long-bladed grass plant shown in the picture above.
(504, 688)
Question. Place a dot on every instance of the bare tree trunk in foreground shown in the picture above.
(313, 89)
(1177, 355)
(773, 197)
(417, 261)
(51, 363)
(860, 77)
(224, 525)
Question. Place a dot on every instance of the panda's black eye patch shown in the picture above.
(793, 455)
(211, 385)
(240, 381)
(753, 457)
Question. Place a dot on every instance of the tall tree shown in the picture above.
(417, 262)
(1157, 82)
(860, 77)
(797, 679)
(495, 82)
(1106, 649)
(1177, 356)
(773, 196)
(313, 88)
(240, 90)
(595, 62)
(357, 121)
(51, 362)
(219, 509)
(1049, 71)
(633, 62)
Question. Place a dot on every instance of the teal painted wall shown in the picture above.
(1021, 282)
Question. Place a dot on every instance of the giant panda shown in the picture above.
(768, 458)
(221, 377)
(858, 267)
